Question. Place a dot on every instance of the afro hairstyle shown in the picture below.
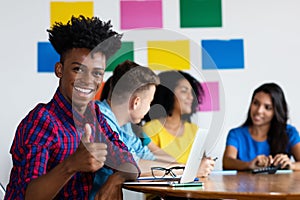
(84, 32)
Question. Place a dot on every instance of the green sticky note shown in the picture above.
(200, 13)
(126, 52)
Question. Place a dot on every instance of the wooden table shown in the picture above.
(243, 185)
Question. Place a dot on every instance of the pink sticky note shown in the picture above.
(211, 97)
(141, 14)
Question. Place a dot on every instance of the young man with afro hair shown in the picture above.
(59, 145)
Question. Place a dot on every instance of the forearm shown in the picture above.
(295, 166)
(112, 188)
(235, 164)
(160, 154)
(47, 186)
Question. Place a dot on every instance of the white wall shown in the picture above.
(270, 29)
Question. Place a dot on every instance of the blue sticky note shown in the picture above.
(222, 54)
(47, 57)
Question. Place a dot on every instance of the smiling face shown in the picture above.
(81, 75)
(261, 109)
(184, 97)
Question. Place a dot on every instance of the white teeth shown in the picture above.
(87, 91)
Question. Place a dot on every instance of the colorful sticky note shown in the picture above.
(167, 55)
(63, 11)
(141, 14)
(47, 57)
(222, 54)
(200, 13)
(211, 99)
(126, 52)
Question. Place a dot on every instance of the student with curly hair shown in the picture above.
(169, 124)
(53, 153)
(265, 138)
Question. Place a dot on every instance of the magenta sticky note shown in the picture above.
(211, 98)
(141, 14)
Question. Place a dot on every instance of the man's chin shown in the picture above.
(137, 121)
(81, 97)
(82, 103)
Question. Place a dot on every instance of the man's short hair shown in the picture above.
(129, 78)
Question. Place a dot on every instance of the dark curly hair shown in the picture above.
(164, 94)
(84, 32)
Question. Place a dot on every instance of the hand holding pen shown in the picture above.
(204, 156)
(206, 166)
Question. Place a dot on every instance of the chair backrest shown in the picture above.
(2, 191)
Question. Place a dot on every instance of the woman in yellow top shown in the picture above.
(168, 122)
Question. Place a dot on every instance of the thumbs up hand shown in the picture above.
(86, 138)
(89, 156)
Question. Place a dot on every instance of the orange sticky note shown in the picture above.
(98, 94)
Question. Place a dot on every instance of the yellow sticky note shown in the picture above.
(63, 11)
(169, 55)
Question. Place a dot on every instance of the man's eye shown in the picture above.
(99, 74)
(78, 69)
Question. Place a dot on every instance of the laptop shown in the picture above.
(190, 171)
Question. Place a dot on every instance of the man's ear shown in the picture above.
(135, 102)
(59, 69)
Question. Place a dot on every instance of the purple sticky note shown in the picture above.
(210, 100)
(141, 14)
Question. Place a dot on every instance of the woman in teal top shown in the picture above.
(265, 138)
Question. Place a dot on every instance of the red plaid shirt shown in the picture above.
(48, 135)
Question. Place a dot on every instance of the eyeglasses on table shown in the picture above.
(160, 172)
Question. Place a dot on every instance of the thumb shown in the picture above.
(86, 138)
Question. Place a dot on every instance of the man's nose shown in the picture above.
(87, 77)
